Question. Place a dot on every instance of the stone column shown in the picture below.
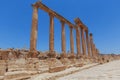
(88, 43)
(51, 34)
(63, 40)
(94, 54)
(97, 52)
(94, 48)
(83, 42)
(91, 44)
(34, 31)
(71, 41)
(78, 41)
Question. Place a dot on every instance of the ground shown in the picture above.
(108, 71)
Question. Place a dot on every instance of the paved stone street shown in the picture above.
(108, 71)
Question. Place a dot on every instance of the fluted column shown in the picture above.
(71, 41)
(34, 31)
(51, 35)
(63, 40)
(83, 42)
(88, 43)
(78, 41)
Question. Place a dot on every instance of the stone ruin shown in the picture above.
(22, 64)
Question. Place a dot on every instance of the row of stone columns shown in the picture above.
(81, 32)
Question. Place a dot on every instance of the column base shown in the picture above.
(52, 54)
(78, 56)
(71, 56)
(63, 55)
(33, 54)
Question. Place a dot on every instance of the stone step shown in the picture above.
(54, 76)
(1, 77)
(2, 72)
(18, 75)
(2, 61)
(20, 78)
(78, 65)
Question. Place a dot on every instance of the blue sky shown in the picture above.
(102, 17)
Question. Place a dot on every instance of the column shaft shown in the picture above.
(88, 43)
(34, 31)
(97, 52)
(71, 41)
(91, 44)
(78, 41)
(51, 35)
(94, 50)
(63, 45)
(83, 42)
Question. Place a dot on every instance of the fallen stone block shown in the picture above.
(55, 65)
(57, 69)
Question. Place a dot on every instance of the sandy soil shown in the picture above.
(107, 71)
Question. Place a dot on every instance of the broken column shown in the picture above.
(34, 31)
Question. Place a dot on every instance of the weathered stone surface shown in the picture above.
(55, 65)
(56, 69)
(2, 67)
(63, 40)
(51, 34)
(34, 31)
(66, 62)
(73, 61)
(71, 41)
(43, 66)
(31, 64)
(16, 65)
(79, 63)
(18, 75)
(1, 77)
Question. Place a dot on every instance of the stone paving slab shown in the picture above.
(107, 71)
(53, 76)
